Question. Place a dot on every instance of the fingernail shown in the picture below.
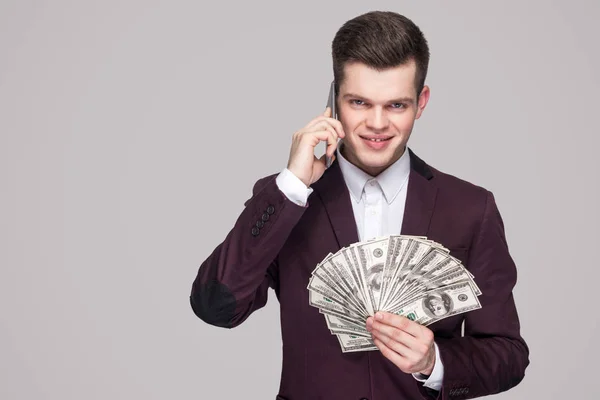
(379, 316)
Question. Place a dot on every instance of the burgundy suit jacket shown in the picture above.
(276, 244)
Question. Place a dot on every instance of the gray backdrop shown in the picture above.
(132, 133)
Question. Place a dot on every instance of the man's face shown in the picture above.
(378, 111)
(437, 307)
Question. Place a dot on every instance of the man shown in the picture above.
(375, 186)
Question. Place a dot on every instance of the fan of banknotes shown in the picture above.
(405, 275)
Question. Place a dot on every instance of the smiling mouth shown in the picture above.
(376, 140)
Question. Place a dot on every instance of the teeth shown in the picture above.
(376, 140)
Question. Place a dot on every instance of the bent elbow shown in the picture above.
(214, 304)
(517, 373)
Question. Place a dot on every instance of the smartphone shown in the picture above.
(332, 104)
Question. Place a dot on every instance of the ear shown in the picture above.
(423, 99)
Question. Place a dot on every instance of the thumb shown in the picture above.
(327, 112)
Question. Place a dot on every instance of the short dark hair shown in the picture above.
(381, 40)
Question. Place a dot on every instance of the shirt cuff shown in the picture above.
(292, 187)
(434, 381)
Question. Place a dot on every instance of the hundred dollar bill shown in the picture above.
(342, 324)
(450, 265)
(423, 284)
(326, 303)
(428, 262)
(415, 251)
(435, 262)
(352, 263)
(352, 319)
(346, 332)
(433, 270)
(441, 303)
(327, 257)
(453, 276)
(459, 275)
(350, 343)
(392, 264)
(371, 262)
(328, 273)
(317, 285)
(345, 328)
(347, 274)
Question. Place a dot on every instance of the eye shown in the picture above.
(357, 102)
(398, 105)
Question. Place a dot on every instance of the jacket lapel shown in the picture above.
(335, 196)
(420, 201)
(420, 198)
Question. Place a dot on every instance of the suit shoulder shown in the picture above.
(452, 185)
(462, 199)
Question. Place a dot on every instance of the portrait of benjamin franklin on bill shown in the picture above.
(375, 278)
(437, 305)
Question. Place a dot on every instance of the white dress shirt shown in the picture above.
(378, 205)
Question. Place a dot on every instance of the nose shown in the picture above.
(377, 119)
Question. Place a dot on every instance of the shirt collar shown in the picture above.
(391, 180)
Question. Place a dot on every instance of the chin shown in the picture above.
(376, 160)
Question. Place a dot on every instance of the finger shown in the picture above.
(407, 348)
(331, 147)
(389, 333)
(326, 114)
(396, 358)
(322, 136)
(336, 124)
(399, 322)
(332, 142)
(370, 321)
(320, 125)
(331, 138)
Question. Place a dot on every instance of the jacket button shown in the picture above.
(265, 217)
(270, 210)
(255, 231)
(363, 398)
(260, 224)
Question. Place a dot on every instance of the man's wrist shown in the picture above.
(427, 371)
(436, 377)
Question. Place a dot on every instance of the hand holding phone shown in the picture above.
(325, 128)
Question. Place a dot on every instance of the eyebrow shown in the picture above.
(398, 100)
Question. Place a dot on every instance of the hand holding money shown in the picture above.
(405, 343)
(302, 162)
(409, 277)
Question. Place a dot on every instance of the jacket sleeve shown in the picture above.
(492, 356)
(234, 280)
